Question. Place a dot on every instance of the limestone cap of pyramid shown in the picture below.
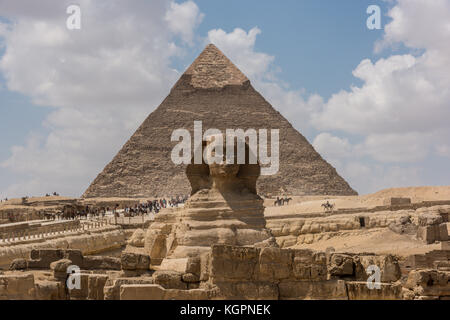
(212, 69)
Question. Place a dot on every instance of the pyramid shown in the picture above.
(212, 90)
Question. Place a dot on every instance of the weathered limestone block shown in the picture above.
(433, 232)
(194, 294)
(253, 237)
(111, 289)
(190, 278)
(427, 260)
(246, 290)
(319, 268)
(309, 265)
(442, 265)
(341, 265)
(236, 263)
(358, 290)
(156, 238)
(429, 219)
(407, 294)
(388, 264)
(133, 261)
(18, 264)
(50, 290)
(397, 201)
(42, 258)
(156, 292)
(445, 245)
(75, 256)
(275, 264)
(193, 265)
(17, 287)
(141, 292)
(96, 284)
(205, 266)
(169, 280)
(443, 232)
(429, 282)
(403, 225)
(137, 239)
(302, 263)
(286, 241)
(60, 268)
(101, 263)
(82, 292)
(178, 265)
(443, 211)
(313, 290)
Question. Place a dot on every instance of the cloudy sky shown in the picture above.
(374, 103)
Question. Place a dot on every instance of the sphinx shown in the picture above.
(224, 208)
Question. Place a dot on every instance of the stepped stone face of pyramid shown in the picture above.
(212, 90)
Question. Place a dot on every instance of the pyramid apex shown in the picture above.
(212, 69)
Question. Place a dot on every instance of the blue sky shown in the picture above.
(316, 44)
(302, 55)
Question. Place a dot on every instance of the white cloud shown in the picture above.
(184, 18)
(102, 81)
(239, 46)
(401, 148)
(402, 109)
(368, 178)
(403, 93)
(353, 162)
(332, 146)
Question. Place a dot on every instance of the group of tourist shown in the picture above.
(152, 206)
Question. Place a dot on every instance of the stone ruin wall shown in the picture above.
(228, 272)
(431, 222)
(88, 241)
